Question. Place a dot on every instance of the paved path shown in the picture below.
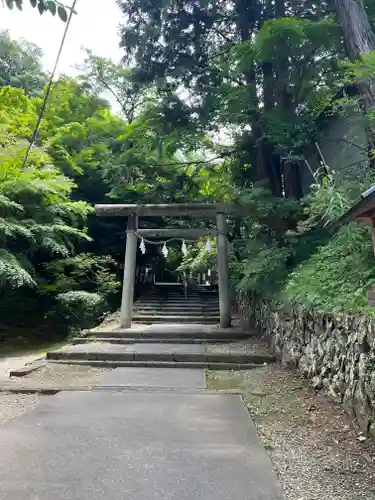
(115, 445)
(135, 446)
(157, 378)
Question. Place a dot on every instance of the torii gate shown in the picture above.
(219, 211)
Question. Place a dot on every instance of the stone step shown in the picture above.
(178, 302)
(172, 299)
(167, 313)
(197, 296)
(155, 340)
(177, 357)
(176, 310)
(158, 364)
(147, 319)
(177, 333)
(182, 294)
(169, 304)
(173, 314)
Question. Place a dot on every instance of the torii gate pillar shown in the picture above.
(223, 270)
(129, 272)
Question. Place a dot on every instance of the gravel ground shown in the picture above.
(13, 405)
(61, 376)
(317, 453)
(247, 347)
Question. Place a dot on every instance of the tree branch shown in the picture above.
(108, 87)
(222, 155)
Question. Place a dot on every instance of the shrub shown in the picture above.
(76, 310)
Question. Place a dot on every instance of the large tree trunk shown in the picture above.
(358, 35)
(359, 38)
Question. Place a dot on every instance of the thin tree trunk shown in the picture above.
(292, 180)
(279, 8)
(282, 67)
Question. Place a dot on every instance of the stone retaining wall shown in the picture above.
(336, 352)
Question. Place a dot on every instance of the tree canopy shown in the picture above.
(20, 65)
(214, 101)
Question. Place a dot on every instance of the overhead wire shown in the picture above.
(49, 86)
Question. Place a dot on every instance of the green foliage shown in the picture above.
(220, 104)
(199, 257)
(103, 77)
(20, 65)
(49, 244)
(362, 73)
(326, 202)
(43, 207)
(337, 277)
(262, 270)
(83, 272)
(310, 268)
(12, 273)
(37, 216)
(77, 310)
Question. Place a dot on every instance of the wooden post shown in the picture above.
(222, 264)
(129, 273)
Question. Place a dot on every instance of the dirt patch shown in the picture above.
(111, 322)
(57, 375)
(317, 453)
(13, 358)
(16, 362)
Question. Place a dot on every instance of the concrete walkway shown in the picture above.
(164, 443)
(156, 378)
(135, 446)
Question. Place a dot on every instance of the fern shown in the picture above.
(37, 215)
(12, 272)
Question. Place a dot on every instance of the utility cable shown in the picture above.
(49, 86)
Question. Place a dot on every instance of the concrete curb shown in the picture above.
(52, 390)
(26, 370)
(231, 335)
(154, 319)
(153, 340)
(157, 364)
(178, 357)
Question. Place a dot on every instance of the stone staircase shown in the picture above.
(169, 305)
(170, 331)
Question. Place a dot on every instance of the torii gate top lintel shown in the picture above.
(173, 209)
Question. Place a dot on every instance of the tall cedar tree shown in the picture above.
(181, 44)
